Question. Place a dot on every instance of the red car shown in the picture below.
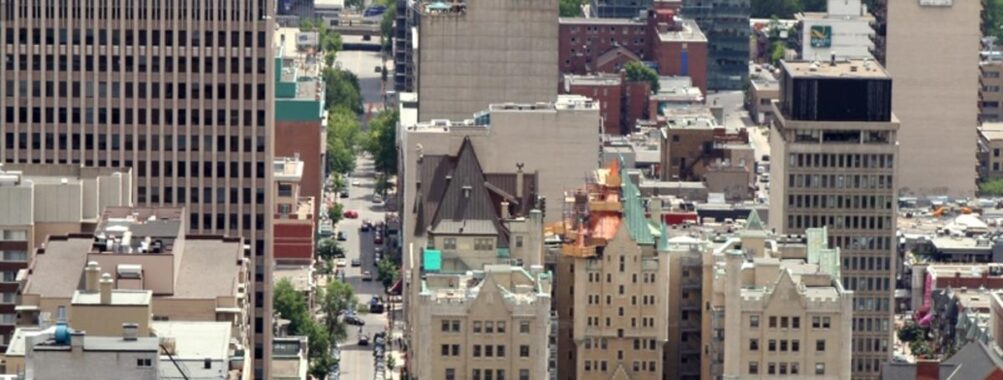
(351, 214)
(377, 239)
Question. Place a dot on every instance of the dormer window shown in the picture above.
(466, 192)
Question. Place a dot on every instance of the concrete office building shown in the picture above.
(48, 199)
(476, 53)
(180, 92)
(777, 308)
(726, 25)
(990, 94)
(192, 277)
(295, 223)
(935, 93)
(991, 151)
(82, 356)
(836, 155)
(844, 29)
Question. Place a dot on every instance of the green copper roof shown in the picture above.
(753, 223)
(820, 253)
(663, 238)
(633, 211)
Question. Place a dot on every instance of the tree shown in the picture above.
(777, 52)
(335, 299)
(571, 8)
(387, 272)
(329, 248)
(991, 188)
(342, 90)
(291, 305)
(335, 212)
(321, 367)
(992, 19)
(387, 28)
(382, 141)
(637, 71)
(342, 137)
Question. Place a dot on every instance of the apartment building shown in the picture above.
(65, 354)
(48, 199)
(621, 102)
(764, 90)
(694, 147)
(295, 223)
(192, 277)
(777, 309)
(836, 158)
(936, 85)
(990, 96)
(479, 271)
(726, 25)
(616, 303)
(180, 92)
(475, 53)
(674, 45)
(300, 111)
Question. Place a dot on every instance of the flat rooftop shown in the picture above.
(119, 297)
(593, 80)
(196, 340)
(992, 131)
(689, 32)
(107, 343)
(601, 21)
(301, 277)
(850, 69)
(288, 168)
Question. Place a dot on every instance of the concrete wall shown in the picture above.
(850, 38)
(107, 320)
(497, 51)
(93, 365)
(610, 99)
(935, 94)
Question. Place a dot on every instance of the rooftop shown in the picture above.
(141, 230)
(119, 297)
(209, 269)
(601, 21)
(196, 340)
(592, 80)
(522, 286)
(992, 131)
(689, 31)
(301, 277)
(288, 169)
(106, 343)
(849, 69)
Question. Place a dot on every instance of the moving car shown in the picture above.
(343, 194)
(342, 236)
(367, 276)
(340, 262)
(351, 214)
(363, 340)
(356, 182)
(354, 320)
(376, 305)
(356, 263)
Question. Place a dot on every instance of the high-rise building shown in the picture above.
(990, 91)
(726, 25)
(935, 93)
(834, 140)
(180, 91)
(473, 53)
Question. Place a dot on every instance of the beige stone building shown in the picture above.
(192, 277)
(776, 308)
(991, 151)
(990, 94)
(932, 52)
(764, 90)
(475, 53)
(479, 274)
(835, 166)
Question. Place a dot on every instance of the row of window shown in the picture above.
(143, 10)
(115, 89)
(870, 324)
(592, 29)
(866, 283)
(784, 368)
(139, 64)
(139, 142)
(14, 256)
(839, 222)
(182, 195)
(839, 181)
(182, 169)
(117, 116)
(842, 161)
(485, 327)
(785, 345)
(206, 219)
(879, 345)
(13, 235)
(645, 321)
(487, 374)
(601, 366)
(831, 201)
(861, 303)
(142, 37)
(841, 136)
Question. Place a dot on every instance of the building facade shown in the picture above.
(726, 25)
(295, 223)
(122, 86)
(463, 65)
(990, 94)
(836, 160)
(934, 100)
(844, 29)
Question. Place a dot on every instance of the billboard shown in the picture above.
(821, 36)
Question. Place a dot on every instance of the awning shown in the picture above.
(395, 289)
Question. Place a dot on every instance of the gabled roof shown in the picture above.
(753, 223)
(976, 360)
(615, 53)
(466, 197)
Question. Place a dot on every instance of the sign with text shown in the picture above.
(821, 36)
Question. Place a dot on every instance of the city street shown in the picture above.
(357, 361)
(363, 64)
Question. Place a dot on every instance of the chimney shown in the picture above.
(106, 285)
(77, 341)
(504, 210)
(519, 181)
(130, 331)
(91, 275)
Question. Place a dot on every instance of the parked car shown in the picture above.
(340, 262)
(342, 236)
(367, 276)
(377, 239)
(354, 320)
(356, 263)
(343, 194)
(363, 340)
(377, 198)
(376, 305)
(356, 182)
(351, 214)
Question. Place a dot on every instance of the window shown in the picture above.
(17, 256)
(826, 322)
(476, 374)
(820, 368)
(523, 374)
(445, 350)
(456, 326)
(450, 374)
(144, 362)
(753, 368)
(820, 345)
(484, 244)
(773, 345)
(783, 322)
(8, 276)
(455, 349)
(445, 326)
(477, 350)
(754, 321)
(501, 351)
(524, 327)
(489, 327)
(449, 243)
(771, 368)
(524, 351)
(477, 327)
(285, 190)
(796, 322)
(773, 322)
(501, 327)
(753, 344)
(795, 345)
(489, 351)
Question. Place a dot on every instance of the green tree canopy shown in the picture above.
(342, 90)
(991, 188)
(387, 272)
(571, 8)
(342, 136)
(335, 299)
(992, 19)
(638, 71)
(382, 141)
